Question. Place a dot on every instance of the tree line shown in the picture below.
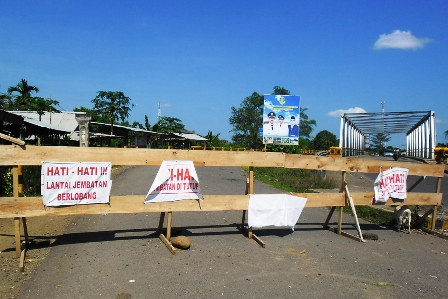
(114, 107)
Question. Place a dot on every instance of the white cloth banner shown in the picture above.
(72, 183)
(391, 183)
(175, 180)
(274, 209)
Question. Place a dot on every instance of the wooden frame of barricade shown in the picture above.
(19, 207)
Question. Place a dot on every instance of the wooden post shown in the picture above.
(251, 191)
(352, 206)
(168, 226)
(17, 236)
(19, 180)
(251, 180)
(434, 213)
(25, 230)
(341, 210)
(161, 220)
(329, 217)
(15, 193)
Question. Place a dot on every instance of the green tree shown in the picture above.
(147, 125)
(324, 140)
(113, 105)
(168, 125)
(213, 140)
(41, 105)
(5, 101)
(306, 125)
(281, 91)
(94, 114)
(22, 100)
(378, 141)
(246, 120)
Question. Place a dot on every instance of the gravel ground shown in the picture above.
(120, 256)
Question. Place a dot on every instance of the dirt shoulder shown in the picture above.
(42, 232)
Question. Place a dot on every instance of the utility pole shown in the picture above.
(159, 113)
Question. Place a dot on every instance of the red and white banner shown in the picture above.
(391, 183)
(176, 180)
(72, 183)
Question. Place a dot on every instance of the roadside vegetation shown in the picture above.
(293, 180)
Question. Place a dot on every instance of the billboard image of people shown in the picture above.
(281, 119)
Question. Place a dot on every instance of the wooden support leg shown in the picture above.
(352, 206)
(25, 231)
(168, 225)
(329, 217)
(423, 218)
(434, 218)
(17, 236)
(162, 219)
(341, 212)
(166, 240)
(243, 219)
(253, 236)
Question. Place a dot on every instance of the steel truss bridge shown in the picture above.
(419, 127)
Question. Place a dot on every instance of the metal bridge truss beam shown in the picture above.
(419, 127)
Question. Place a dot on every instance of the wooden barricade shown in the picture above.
(19, 208)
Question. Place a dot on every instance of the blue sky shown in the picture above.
(200, 58)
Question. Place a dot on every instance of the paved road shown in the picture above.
(119, 256)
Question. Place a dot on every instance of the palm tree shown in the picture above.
(24, 90)
(41, 105)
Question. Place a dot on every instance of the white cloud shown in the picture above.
(400, 40)
(340, 112)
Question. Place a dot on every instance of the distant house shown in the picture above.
(22, 128)
(62, 124)
(64, 120)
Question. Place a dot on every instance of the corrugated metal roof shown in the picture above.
(190, 136)
(126, 128)
(46, 126)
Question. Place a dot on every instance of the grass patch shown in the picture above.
(372, 215)
(293, 180)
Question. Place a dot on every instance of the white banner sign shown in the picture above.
(391, 183)
(274, 209)
(73, 183)
(176, 180)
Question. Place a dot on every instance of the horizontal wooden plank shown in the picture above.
(11, 155)
(34, 155)
(412, 198)
(32, 206)
(359, 164)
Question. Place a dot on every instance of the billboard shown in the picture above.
(281, 119)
